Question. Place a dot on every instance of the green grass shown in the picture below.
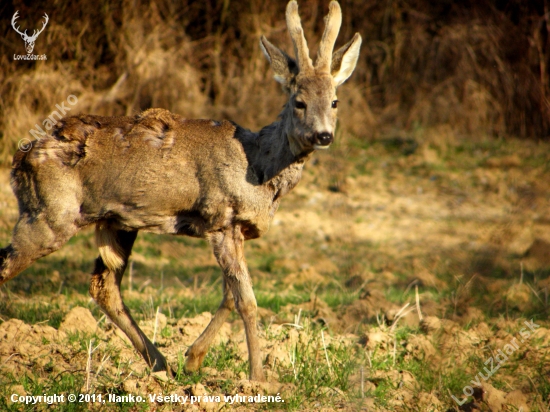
(32, 313)
(275, 302)
(180, 276)
(34, 385)
(334, 363)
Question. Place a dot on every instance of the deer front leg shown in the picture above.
(229, 251)
(105, 289)
(197, 351)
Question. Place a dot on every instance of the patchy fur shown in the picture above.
(162, 173)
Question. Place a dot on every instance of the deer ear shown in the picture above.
(345, 59)
(282, 64)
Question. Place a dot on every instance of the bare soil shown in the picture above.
(470, 232)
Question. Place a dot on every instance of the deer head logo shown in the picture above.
(29, 40)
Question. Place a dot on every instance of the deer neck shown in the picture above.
(271, 157)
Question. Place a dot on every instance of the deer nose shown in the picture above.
(323, 138)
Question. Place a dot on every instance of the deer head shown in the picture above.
(312, 101)
(29, 40)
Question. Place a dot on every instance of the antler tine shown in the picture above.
(14, 18)
(297, 35)
(47, 20)
(333, 21)
(44, 24)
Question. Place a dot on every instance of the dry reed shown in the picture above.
(480, 68)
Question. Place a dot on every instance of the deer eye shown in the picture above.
(300, 105)
(334, 104)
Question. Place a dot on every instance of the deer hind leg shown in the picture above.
(229, 251)
(115, 247)
(197, 351)
(34, 236)
(49, 201)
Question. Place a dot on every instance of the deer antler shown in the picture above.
(333, 21)
(14, 18)
(297, 35)
(35, 34)
(25, 35)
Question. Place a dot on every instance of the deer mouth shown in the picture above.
(321, 147)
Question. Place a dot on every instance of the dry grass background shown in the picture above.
(480, 67)
(445, 206)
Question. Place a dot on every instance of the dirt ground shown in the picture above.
(428, 269)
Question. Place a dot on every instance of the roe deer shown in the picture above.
(163, 173)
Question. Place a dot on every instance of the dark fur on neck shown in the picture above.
(269, 155)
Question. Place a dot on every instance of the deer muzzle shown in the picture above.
(322, 140)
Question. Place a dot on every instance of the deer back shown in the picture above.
(157, 171)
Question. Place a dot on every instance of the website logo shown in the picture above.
(29, 40)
